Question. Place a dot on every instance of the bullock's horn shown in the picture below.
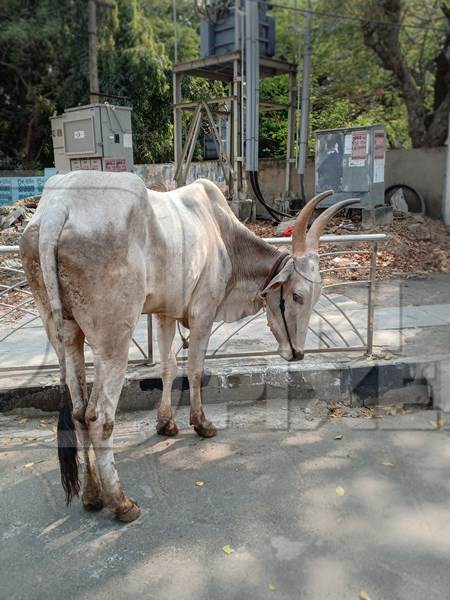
(301, 224)
(316, 229)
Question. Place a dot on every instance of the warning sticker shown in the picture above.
(357, 162)
(359, 145)
(114, 164)
(378, 145)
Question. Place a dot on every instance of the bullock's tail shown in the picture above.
(52, 223)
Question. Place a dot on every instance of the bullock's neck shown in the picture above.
(252, 260)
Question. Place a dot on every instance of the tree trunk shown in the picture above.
(424, 129)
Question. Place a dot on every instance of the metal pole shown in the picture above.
(446, 207)
(371, 298)
(291, 131)
(175, 36)
(304, 123)
(93, 45)
(177, 120)
(150, 339)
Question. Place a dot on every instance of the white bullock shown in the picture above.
(102, 249)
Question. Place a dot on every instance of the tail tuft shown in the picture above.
(67, 453)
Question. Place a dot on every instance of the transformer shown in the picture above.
(94, 137)
(220, 33)
(351, 162)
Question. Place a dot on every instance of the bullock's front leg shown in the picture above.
(198, 343)
(166, 331)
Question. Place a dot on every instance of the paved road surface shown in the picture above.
(271, 493)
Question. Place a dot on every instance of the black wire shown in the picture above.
(359, 18)
(275, 214)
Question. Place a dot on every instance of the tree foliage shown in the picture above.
(363, 70)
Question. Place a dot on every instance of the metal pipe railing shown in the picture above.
(9, 249)
(372, 238)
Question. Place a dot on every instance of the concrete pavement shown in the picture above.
(313, 507)
(403, 308)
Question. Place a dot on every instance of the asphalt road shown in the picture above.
(307, 515)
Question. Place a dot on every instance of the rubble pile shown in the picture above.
(14, 219)
(414, 244)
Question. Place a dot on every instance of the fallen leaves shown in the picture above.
(340, 490)
(364, 596)
(338, 409)
(199, 483)
(228, 549)
(28, 465)
(439, 423)
(338, 436)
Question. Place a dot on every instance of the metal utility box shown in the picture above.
(351, 162)
(218, 32)
(95, 137)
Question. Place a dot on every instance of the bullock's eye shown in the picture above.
(297, 298)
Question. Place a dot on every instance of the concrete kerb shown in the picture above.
(360, 382)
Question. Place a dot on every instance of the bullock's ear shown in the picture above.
(281, 278)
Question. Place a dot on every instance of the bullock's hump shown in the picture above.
(88, 181)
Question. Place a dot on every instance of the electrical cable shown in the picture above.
(359, 18)
(274, 213)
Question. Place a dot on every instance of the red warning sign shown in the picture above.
(359, 144)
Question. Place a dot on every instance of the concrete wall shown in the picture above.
(424, 170)
(161, 176)
(421, 168)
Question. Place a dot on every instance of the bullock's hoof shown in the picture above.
(206, 429)
(167, 427)
(92, 504)
(131, 512)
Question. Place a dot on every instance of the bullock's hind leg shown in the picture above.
(198, 342)
(110, 362)
(166, 331)
(76, 382)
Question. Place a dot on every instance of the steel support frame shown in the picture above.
(236, 176)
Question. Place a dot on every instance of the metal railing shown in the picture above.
(24, 305)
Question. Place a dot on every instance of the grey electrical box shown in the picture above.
(95, 137)
(218, 31)
(351, 162)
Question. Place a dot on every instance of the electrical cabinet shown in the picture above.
(351, 161)
(94, 137)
